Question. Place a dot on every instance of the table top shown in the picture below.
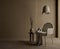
(41, 32)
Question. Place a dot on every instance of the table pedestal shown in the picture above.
(38, 39)
(31, 37)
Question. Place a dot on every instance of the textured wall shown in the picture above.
(41, 19)
(15, 14)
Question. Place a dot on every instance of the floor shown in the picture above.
(27, 45)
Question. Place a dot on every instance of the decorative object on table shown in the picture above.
(46, 9)
(38, 30)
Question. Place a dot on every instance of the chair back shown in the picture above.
(50, 31)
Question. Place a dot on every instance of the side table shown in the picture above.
(38, 38)
(31, 39)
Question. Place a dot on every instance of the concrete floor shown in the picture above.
(27, 45)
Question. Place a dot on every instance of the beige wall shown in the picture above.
(41, 19)
(15, 14)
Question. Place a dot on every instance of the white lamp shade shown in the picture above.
(46, 9)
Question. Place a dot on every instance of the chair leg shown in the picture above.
(52, 39)
(45, 41)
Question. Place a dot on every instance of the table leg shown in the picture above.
(39, 39)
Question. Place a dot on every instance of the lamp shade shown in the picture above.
(46, 9)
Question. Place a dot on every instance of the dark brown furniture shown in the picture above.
(31, 34)
(38, 38)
